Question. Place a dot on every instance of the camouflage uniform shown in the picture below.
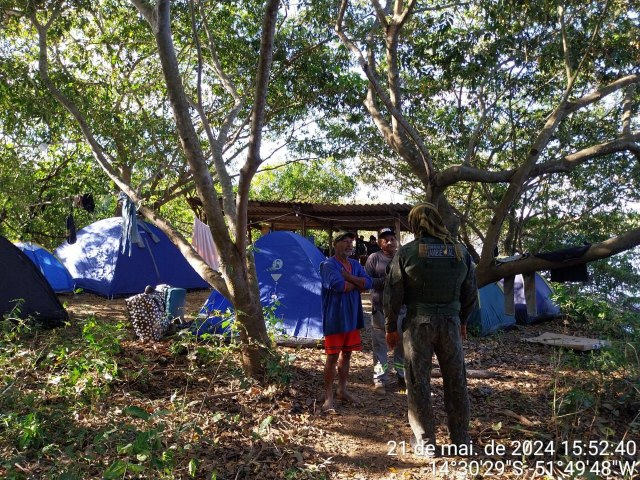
(436, 280)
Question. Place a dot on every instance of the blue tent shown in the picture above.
(216, 315)
(490, 316)
(288, 267)
(55, 273)
(97, 263)
(544, 305)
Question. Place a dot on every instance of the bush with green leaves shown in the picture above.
(597, 315)
(607, 381)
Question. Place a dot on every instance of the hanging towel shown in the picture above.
(529, 286)
(202, 241)
(88, 203)
(130, 233)
(509, 301)
(565, 254)
(577, 273)
(529, 280)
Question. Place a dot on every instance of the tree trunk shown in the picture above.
(255, 343)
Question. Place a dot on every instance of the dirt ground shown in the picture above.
(512, 408)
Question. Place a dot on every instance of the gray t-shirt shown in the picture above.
(376, 267)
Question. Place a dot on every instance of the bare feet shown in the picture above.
(346, 397)
(328, 405)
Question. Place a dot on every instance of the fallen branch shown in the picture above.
(226, 394)
(523, 420)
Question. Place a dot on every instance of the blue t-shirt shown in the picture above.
(341, 311)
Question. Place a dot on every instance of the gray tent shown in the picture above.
(24, 290)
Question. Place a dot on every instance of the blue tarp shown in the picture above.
(55, 273)
(288, 267)
(96, 262)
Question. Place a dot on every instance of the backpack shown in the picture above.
(147, 314)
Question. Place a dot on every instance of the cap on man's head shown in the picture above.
(342, 234)
(385, 232)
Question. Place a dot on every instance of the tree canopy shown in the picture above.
(503, 112)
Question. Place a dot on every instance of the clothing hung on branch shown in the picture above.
(529, 281)
(202, 241)
(85, 202)
(574, 273)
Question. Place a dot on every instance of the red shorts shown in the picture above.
(343, 342)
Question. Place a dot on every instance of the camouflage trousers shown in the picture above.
(425, 335)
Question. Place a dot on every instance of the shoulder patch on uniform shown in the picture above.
(440, 251)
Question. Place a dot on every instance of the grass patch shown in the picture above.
(87, 401)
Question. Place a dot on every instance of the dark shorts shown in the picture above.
(343, 342)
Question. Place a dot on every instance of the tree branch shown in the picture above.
(565, 44)
(612, 246)
(372, 77)
(602, 92)
(188, 136)
(257, 119)
(381, 14)
(627, 109)
(465, 173)
(400, 16)
(378, 119)
(178, 239)
(216, 144)
(624, 143)
(462, 173)
(147, 11)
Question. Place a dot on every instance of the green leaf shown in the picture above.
(135, 468)
(193, 467)
(128, 448)
(217, 417)
(137, 412)
(265, 424)
(116, 470)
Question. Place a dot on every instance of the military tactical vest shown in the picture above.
(433, 276)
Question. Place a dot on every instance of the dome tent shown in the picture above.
(97, 263)
(288, 267)
(545, 307)
(490, 316)
(55, 273)
(22, 286)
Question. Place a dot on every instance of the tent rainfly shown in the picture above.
(55, 273)
(24, 291)
(99, 265)
(491, 315)
(288, 267)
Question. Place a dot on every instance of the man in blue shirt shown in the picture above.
(343, 279)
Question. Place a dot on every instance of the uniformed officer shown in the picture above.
(434, 277)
